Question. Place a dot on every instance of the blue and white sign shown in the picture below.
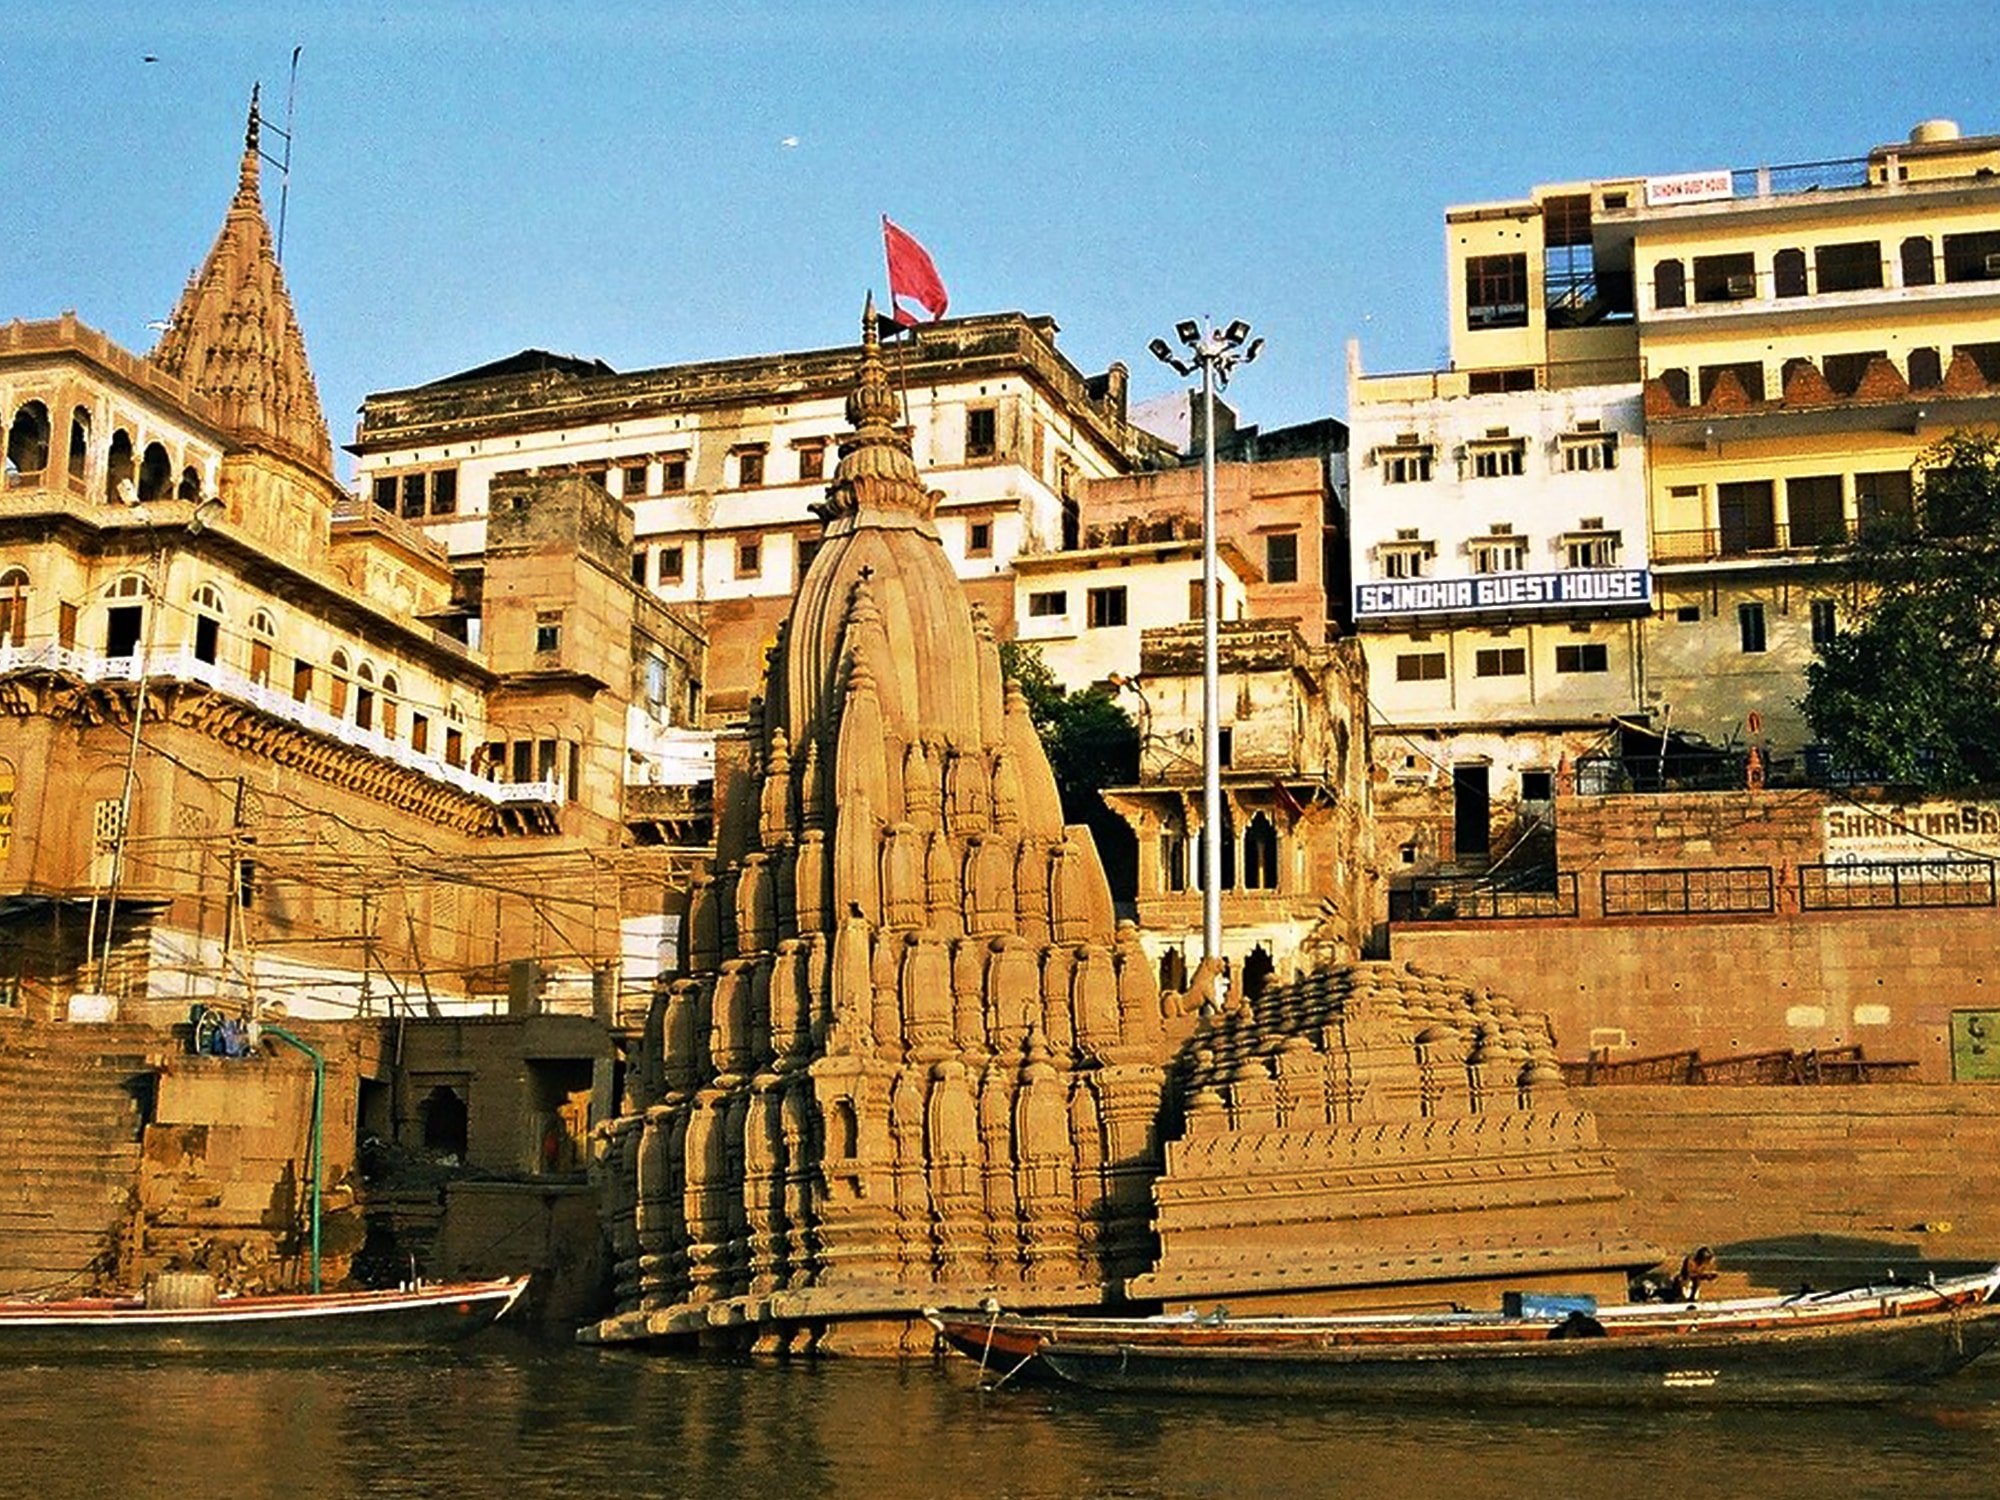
(1571, 589)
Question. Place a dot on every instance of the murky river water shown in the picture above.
(510, 1417)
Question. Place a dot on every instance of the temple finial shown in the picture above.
(246, 177)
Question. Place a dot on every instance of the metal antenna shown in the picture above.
(284, 165)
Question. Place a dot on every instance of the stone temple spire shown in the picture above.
(233, 337)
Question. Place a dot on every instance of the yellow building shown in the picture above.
(1802, 332)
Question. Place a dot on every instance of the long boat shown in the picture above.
(1858, 1343)
(306, 1322)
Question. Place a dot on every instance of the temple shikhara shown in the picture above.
(917, 1060)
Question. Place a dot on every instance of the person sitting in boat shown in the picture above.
(1697, 1270)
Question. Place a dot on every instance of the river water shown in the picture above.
(506, 1416)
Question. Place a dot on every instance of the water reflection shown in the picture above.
(513, 1418)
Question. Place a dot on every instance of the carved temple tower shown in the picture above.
(916, 1060)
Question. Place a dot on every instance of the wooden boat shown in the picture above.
(304, 1322)
(1859, 1343)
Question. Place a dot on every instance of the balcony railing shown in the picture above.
(1476, 899)
(1760, 539)
(1702, 891)
(1893, 883)
(184, 666)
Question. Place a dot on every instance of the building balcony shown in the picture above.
(164, 667)
(1765, 542)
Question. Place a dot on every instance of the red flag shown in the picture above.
(911, 275)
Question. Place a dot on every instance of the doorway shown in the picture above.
(1472, 812)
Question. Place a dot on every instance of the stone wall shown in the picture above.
(1816, 1183)
(1885, 980)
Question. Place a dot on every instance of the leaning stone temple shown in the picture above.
(917, 1061)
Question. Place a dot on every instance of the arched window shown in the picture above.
(190, 486)
(1675, 383)
(156, 474)
(125, 614)
(389, 691)
(1788, 273)
(364, 697)
(119, 469)
(845, 1131)
(262, 634)
(13, 607)
(1919, 261)
(1173, 970)
(1669, 284)
(208, 617)
(1260, 854)
(79, 445)
(28, 442)
(337, 687)
(1256, 973)
(1926, 369)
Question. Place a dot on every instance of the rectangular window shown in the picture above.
(1825, 621)
(1538, 786)
(1813, 508)
(1501, 661)
(524, 762)
(635, 480)
(1883, 497)
(67, 615)
(1587, 452)
(1104, 607)
(444, 492)
(808, 548)
(420, 733)
(812, 460)
(656, 680)
(1750, 627)
(413, 495)
(454, 747)
(548, 630)
(1725, 278)
(749, 468)
(639, 567)
(207, 638)
(1852, 267)
(1048, 605)
(1420, 666)
(979, 539)
(1745, 511)
(1589, 549)
(981, 431)
(1588, 657)
(1404, 561)
(1496, 382)
(1496, 291)
(1281, 557)
(385, 493)
(1972, 257)
(671, 564)
(1197, 599)
(1985, 356)
(302, 680)
(260, 662)
(1405, 464)
(749, 557)
(1499, 554)
(1497, 460)
(1688, 614)
(674, 472)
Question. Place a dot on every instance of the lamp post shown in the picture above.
(1216, 353)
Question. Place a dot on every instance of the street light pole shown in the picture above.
(1216, 353)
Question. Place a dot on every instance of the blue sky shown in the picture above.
(612, 179)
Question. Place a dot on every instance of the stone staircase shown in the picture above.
(72, 1109)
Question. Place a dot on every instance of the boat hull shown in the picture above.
(1840, 1362)
(331, 1322)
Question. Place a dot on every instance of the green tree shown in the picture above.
(1092, 744)
(1911, 692)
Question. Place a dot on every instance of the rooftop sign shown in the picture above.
(1688, 187)
(1570, 589)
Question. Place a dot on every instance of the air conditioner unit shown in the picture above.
(1993, 265)
(1739, 287)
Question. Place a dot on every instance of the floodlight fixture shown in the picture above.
(1236, 333)
(1189, 333)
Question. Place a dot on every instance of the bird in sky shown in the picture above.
(790, 142)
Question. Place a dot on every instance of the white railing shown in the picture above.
(184, 666)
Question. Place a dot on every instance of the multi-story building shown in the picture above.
(1500, 589)
(721, 464)
(1800, 334)
(237, 756)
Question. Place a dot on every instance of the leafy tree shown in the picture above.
(1092, 744)
(1911, 693)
